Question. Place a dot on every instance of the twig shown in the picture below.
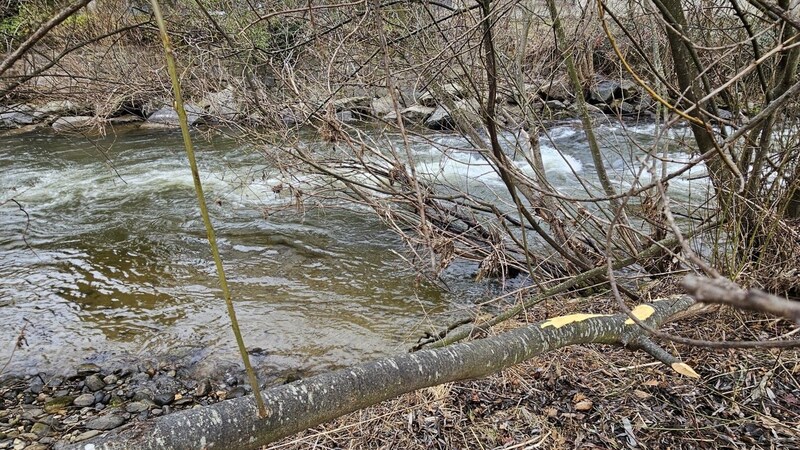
(726, 292)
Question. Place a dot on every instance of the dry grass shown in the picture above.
(598, 397)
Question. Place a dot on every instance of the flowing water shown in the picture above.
(102, 253)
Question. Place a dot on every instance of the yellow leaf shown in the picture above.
(560, 321)
(641, 312)
(684, 369)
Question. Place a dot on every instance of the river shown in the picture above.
(107, 255)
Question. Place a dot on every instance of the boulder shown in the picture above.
(382, 106)
(465, 110)
(60, 108)
(556, 89)
(221, 105)
(168, 117)
(414, 113)
(73, 123)
(452, 91)
(605, 91)
(352, 103)
(18, 115)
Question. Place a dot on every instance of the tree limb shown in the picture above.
(295, 407)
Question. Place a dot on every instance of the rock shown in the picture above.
(222, 105)
(123, 120)
(110, 379)
(605, 91)
(108, 422)
(19, 444)
(41, 429)
(203, 388)
(84, 370)
(451, 91)
(416, 113)
(382, 106)
(236, 392)
(167, 116)
(163, 399)
(556, 89)
(73, 123)
(353, 103)
(36, 385)
(291, 116)
(136, 407)
(84, 400)
(346, 117)
(18, 115)
(37, 446)
(59, 108)
(465, 111)
(87, 435)
(95, 383)
(58, 404)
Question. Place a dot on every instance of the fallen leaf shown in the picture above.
(642, 395)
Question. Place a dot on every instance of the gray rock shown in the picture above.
(108, 422)
(84, 370)
(61, 108)
(124, 120)
(203, 388)
(136, 407)
(18, 115)
(222, 105)
(86, 435)
(73, 123)
(465, 111)
(382, 106)
(110, 379)
(353, 103)
(95, 383)
(41, 429)
(556, 89)
(452, 91)
(84, 400)
(416, 113)
(163, 399)
(236, 392)
(167, 116)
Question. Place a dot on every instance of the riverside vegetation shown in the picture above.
(717, 80)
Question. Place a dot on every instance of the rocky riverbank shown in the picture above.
(446, 107)
(43, 411)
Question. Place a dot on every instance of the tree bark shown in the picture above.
(235, 424)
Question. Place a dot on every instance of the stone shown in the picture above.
(61, 108)
(416, 113)
(451, 91)
(95, 383)
(163, 399)
(59, 404)
(18, 115)
(203, 388)
(37, 446)
(168, 117)
(382, 106)
(353, 103)
(84, 400)
(123, 120)
(136, 407)
(84, 370)
(73, 123)
(41, 429)
(556, 89)
(87, 435)
(108, 422)
(465, 111)
(221, 105)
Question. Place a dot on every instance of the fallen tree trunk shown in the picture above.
(235, 424)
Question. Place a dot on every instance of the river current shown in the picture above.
(103, 253)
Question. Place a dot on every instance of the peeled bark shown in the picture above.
(235, 424)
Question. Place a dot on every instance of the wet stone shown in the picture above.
(84, 370)
(108, 422)
(84, 400)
